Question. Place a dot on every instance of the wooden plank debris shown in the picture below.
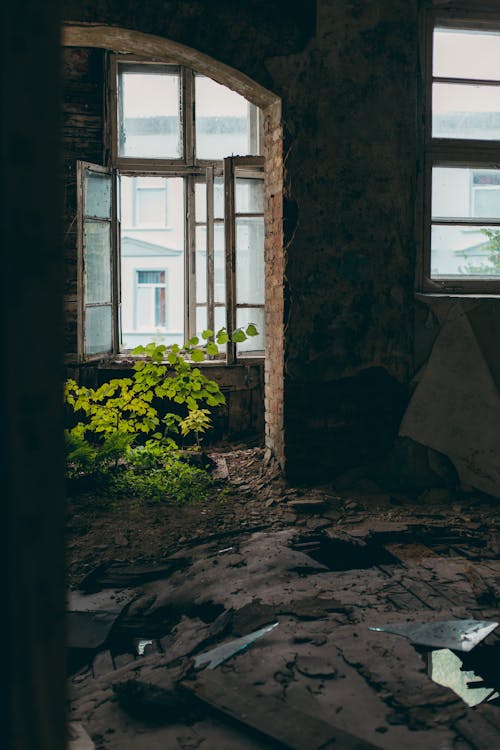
(269, 716)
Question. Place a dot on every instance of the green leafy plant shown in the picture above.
(177, 481)
(197, 421)
(153, 455)
(120, 423)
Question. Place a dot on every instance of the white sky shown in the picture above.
(152, 95)
(465, 54)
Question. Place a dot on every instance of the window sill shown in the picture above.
(429, 296)
(126, 361)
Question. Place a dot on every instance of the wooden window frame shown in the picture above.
(114, 222)
(190, 170)
(234, 167)
(452, 152)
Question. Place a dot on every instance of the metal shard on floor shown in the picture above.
(457, 635)
(216, 656)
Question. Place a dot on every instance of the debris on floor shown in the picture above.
(267, 631)
(457, 635)
(214, 657)
(447, 668)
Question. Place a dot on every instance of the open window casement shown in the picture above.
(97, 282)
(207, 287)
(224, 282)
(244, 247)
(98, 325)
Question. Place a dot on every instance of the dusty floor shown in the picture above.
(322, 564)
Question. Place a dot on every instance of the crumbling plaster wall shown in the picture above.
(346, 75)
(349, 103)
(348, 78)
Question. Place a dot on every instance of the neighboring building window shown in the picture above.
(150, 300)
(187, 209)
(462, 214)
(149, 203)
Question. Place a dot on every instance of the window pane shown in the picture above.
(465, 193)
(200, 199)
(250, 260)
(466, 54)
(151, 277)
(151, 307)
(149, 122)
(245, 316)
(160, 306)
(465, 251)
(219, 264)
(220, 322)
(465, 111)
(219, 197)
(97, 194)
(150, 182)
(220, 318)
(97, 239)
(249, 196)
(201, 264)
(152, 256)
(201, 320)
(98, 330)
(222, 121)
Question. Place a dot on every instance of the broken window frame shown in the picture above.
(235, 167)
(452, 152)
(191, 170)
(82, 168)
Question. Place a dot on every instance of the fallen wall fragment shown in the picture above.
(455, 408)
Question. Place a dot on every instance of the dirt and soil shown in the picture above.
(249, 494)
(136, 531)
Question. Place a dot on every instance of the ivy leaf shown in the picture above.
(207, 334)
(238, 336)
(197, 355)
(212, 348)
(194, 341)
(222, 336)
(251, 330)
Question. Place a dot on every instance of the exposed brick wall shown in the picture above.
(83, 138)
(273, 375)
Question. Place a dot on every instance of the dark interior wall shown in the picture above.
(83, 138)
(347, 77)
(31, 461)
(350, 108)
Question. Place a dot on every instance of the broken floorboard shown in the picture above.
(322, 661)
(270, 717)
